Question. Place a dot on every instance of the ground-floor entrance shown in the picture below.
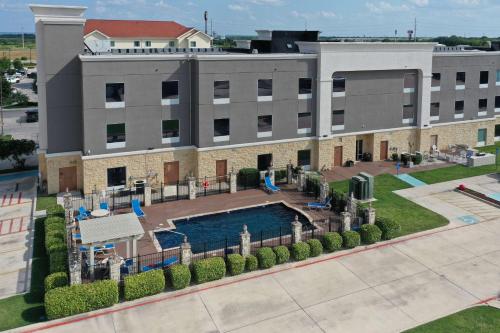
(171, 173)
(359, 150)
(384, 150)
(338, 153)
(67, 179)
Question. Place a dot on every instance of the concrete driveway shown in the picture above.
(388, 287)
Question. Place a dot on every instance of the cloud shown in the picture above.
(237, 7)
(467, 2)
(420, 3)
(384, 7)
(313, 15)
(267, 2)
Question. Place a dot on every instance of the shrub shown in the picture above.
(55, 210)
(300, 251)
(80, 298)
(395, 157)
(370, 233)
(58, 261)
(235, 264)
(282, 254)
(315, 247)
(266, 257)
(390, 228)
(249, 177)
(417, 158)
(209, 269)
(54, 223)
(56, 280)
(332, 241)
(143, 284)
(251, 263)
(179, 276)
(350, 239)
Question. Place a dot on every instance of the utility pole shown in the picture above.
(415, 30)
(205, 17)
(22, 35)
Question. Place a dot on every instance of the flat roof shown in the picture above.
(110, 228)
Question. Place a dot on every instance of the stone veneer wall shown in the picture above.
(399, 141)
(327, 147)
(42, 167)
(53, 164)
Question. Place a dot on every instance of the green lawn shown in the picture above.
(481, 319)
(412, 217)
(27, 309)
(45, 201)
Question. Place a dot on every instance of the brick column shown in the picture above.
(370, 215)
(95, 200)
(186, 252)
(75, 268)
(324, 190)
(296, 230)
(245, 242)
(289, 173)
(301, 181)
(233, 188)
(345, 221)
(147, 196)
(192, 188)
(114, 268)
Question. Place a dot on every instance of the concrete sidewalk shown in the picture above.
(388, 287)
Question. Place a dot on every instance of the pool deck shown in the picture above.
(158, 214)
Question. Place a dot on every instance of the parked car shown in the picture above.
(12, 79)
(31, 116)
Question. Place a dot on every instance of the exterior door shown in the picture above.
(384, 150)
(481, 137)
(171, 173)
(221, 168)
(359, 150)
(337, 156)
(67, 179)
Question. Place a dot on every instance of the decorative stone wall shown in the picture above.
(53, 164)
(327, 147)
(399, 141)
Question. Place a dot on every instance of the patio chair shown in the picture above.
(84, 248)
(320, 205)
(77, 236)
(136, 207)
(104, 205)
(108, 247)
(126, 267)
(270, 187)
(83, 211)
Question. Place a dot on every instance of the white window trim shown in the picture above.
(408, 120)
(498, 84)
(113, 188)
(458, 116)
(222, 138)
(115, 145)
(264, 98)
(482, 113)
(338, 127)
(338, 94)
(264, 134)
(481, 144)
(497, 138)
(305, 96)
(484, 85)
(408, 90)
(114, 105)
(497, 109)
(222, 100)
(170, 101)
(174, 139)
(436, 88)
(460, 87)
(303, 130)
(434, 118)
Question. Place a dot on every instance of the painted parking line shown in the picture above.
(12, 199)
(14, 225)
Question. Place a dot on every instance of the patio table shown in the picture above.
(99, 213)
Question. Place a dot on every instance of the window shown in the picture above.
(171, 44)
(460, 81)
(304, 158)
(148, 43)
(483, 79)
(497, 132)
(497, 103)
(264, 90)
(112, 43)
(264, 126)
(483, 107)
(434, 111)
(221, 92)
(498, 77)
(221, 130)
(192, 43)
(410, 82)
(436, 82)
(117, 177)
(170, 131)
(264, 161)
(305, 88)
(459, 109)
(304, 123)
(115, 93)
(408, 114)
(137, 43)
(115, 136)
(337, 120)
(170, 92)
(481, 137)
(338, 86)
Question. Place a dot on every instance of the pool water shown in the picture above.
(410, 180)
(209, 232)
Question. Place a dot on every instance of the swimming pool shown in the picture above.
(212, 230)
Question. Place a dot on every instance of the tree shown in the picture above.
(18, 64)
(4, 65)
(18, 98)
(16, 151)
(6, 89)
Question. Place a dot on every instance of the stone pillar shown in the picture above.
(296, 230)
(114, 268)
(370, 215)
(345, 220)
(245, 243)
(289, 173)
(271, 172)
(147, 195)
(68, 207)
(192, 188)
(352, 206)
(324, 190)
(186, 252)
(95, 200)
(301, 181)
(75, 268)
(232, 182)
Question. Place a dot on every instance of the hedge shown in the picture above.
(58, 261)
(370, 233)
(80, 298)
(251, 263)
(266, 257)
(282, 254)
(56, 280)
(350, 239)
(209, 269)
(315, 247)
(300, 251)
(235, 264)
(143, 284)
(332, 241)
(54, 223)
(249, 177)
(55, 210)
(389, 227)
(179, 276)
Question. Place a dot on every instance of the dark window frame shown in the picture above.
(266, 127)
(435, 106)
(264, 87)
(115, 92)
(436, 78)
(335, 115)
(460, 79)
(167, 132)
(305, 159)
(222, 89)
(407, 107)
(304, 116)
(116, 136)
(118, 176)
(484, 77)
(482, 104)
(221, 131)
(305, 86)
(497, 102)
(459, 106)
(338, 83)
(166, 86)
(264, 161)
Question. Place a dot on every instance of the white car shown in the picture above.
(13, 79)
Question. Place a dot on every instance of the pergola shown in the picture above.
(111, 229)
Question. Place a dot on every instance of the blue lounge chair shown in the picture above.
(108, 247)
(136, 207)
(104, 205)
(83, 211)
(270, 187)
(320, 205)
(84, 248)
(77, 236)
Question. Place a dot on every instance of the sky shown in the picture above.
(331, 17)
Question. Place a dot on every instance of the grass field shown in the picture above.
(45, 201)
(480, 319)
(13, 53)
